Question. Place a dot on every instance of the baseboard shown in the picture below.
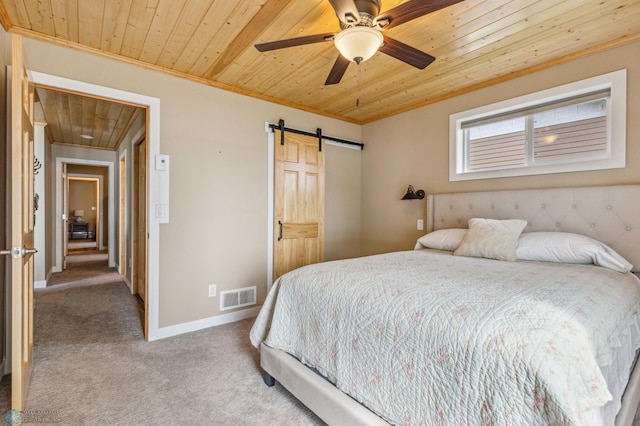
(40, 284)
(187, 327)
(128, 283)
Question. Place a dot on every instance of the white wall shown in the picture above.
(40, 228)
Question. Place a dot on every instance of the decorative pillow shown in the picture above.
(442, 239)
(491, 238)
(567, 247)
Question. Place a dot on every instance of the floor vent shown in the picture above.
(237, 298)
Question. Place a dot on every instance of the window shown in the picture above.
(579, 126)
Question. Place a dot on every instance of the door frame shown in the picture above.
(123, 205)
(61, 230)
(97, 179)
(154, 181)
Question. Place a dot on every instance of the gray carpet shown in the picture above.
(92, 366)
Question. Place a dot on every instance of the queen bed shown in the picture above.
(529, 316)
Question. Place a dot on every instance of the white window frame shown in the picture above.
(615, 82)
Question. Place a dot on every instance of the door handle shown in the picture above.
(26, 251)
(18, 252)
(280, 224)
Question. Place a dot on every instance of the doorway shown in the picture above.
(85, 211)
(152, 141)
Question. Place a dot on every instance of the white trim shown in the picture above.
(271, 153)
(128, 283)
(98, 178)
(153, 137)
(615, 81)
(123, 155)
(40, 284)
(59, 231)
(187, 327)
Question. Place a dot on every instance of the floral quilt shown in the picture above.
(427, 338)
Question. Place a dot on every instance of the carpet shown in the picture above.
(92, 366)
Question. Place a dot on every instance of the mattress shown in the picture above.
(421, 337)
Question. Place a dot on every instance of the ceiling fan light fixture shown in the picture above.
(359, 43)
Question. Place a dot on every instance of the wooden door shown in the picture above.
(22, 222)
(298, 203)
(65, 215)
(122, 218)
(140, 221)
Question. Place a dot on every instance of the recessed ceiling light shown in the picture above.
(86, 136)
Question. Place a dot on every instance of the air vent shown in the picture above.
(237, 298)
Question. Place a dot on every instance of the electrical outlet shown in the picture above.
(212, 290)
(420, 224)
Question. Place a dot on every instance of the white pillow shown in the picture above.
(491, 238)
(442, 239)
(566, 247)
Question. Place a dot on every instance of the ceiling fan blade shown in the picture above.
(406, 53)
(346, 10)
(338, 70)
(291, 42)
(412, 9)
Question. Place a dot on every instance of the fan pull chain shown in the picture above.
(359, 78)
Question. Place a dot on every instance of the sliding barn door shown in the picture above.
(298, 203)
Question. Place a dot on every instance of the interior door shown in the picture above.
(65, 215)
(22, 223)
(140, 223)
(298, 202)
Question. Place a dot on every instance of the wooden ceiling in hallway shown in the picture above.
(475, 42)
(74, 119)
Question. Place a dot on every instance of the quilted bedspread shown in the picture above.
(428, 338)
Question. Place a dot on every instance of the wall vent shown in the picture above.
(237, 298)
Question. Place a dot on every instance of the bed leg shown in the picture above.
(268, 380)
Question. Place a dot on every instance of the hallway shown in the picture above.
(85, 266)
(85, 304)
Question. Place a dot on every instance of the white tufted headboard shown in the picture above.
(610, 214)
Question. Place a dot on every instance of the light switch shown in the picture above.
(160, 210)
(420, 224)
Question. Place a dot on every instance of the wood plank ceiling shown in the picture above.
(74, 119)
(476, 43)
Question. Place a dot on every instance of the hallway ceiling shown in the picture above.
(476, 43)
(74, 119)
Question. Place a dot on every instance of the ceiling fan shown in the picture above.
(361, 36)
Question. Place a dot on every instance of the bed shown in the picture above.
(469, 339)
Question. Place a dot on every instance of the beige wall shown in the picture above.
(413, 148)
(83, 195)
(342, 202)
(218, 191)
